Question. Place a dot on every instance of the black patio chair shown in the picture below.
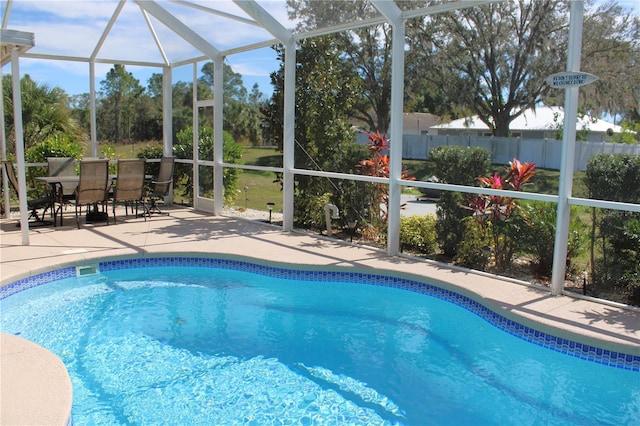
(43, 203)
(65, 193)
(161, 185)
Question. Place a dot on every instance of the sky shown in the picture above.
(77, 25)
(73, 27)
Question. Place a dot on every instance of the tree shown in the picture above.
(45, 112)
(610, 50)
(367, 50)
(232, 82)
(81, 111)
(255, 103)
(326, 90)
(237, 117)
(120, 89)
(492, 58)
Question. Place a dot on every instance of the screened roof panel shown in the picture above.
(317, 15)
(76, 29)
(73, 29)
(60, 28)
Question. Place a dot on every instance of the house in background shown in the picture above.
(413, 123)
(418, 123)
(540, 123)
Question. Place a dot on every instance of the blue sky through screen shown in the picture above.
(73, 17)
(73, 27)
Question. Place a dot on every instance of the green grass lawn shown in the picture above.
(266, 157)
(256, 189)
(262, 189)
(545, 181)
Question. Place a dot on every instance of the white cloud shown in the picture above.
(65, 10)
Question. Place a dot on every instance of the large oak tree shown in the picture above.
(491, 59)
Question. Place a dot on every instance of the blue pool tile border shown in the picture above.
(35, 281)
(565, 346)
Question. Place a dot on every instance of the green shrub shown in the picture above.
(540, 236)
(150, 152)
(314, 211)
(232, 153)
(418, 233)
(461, 166)
(614, 177)
(57, 145)
(474, 250)
(615, 234)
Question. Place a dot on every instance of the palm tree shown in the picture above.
(45, 112)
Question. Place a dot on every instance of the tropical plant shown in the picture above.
(499, 216)
(379, 165)
(45, 113)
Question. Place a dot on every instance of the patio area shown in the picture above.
(188, 232)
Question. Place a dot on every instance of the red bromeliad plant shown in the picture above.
(379, 165)
(499, 214)
(519, 173)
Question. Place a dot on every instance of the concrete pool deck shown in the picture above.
(191, 233)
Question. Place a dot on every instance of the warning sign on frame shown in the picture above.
(563, 80)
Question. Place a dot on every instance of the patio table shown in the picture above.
(55, 182)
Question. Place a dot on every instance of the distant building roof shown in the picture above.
(541, 118)
(418, 123)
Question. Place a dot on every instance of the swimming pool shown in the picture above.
(218, 341)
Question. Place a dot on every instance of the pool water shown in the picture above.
(200, 345)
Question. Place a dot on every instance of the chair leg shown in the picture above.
(105, 209)
(153, 208)
(77, 217)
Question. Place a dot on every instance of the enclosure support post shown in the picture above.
(218, 135)
(394, 15)
(167, 119)
(195, 118)
(19, 138)
(3, 140)
(92, 108)
(568, 151)
(289, 134)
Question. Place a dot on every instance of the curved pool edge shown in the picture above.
(541, 330)
(35, 385)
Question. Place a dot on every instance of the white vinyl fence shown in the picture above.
(545, 153)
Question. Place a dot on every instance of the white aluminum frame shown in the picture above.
(392, 15)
